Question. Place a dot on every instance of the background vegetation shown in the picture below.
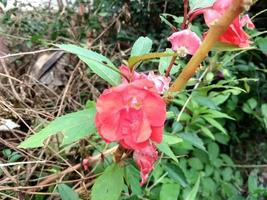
(215, 149)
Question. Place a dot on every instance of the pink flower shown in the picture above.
(185, 39)
(145, 159)
(161, 83)
(235, 33)
(132, 114)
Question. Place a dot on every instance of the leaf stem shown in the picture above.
(184, 24)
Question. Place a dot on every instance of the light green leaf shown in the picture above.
(175, 173)
(164, 148)
(98, 63)
(141, 46)
(195, 163)
(220, 46)
(171, 139)
(109, 185)
(193, 193)
(164, 64)
(215, 124)
(132, 179)
(252, 183)
(197, 4)
(262, 43)
(213, 150)
(169, 191)
(207, 132)
(67, 193)
(193, 139)
(73, 126)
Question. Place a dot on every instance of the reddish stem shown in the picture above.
(184, 24)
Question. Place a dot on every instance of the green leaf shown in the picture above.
(197, 4)
(195, 163)
(141, 46)
(73, 126)
(169, 191)
(213, 150)
(193, 193)
(264, 110)
(176, 174)
(220, 46)
(67, 193)
(109, 185)
(193, 139)
(171, 139)
(98, 63)
(207, 132)
(132, 179)
(262, 43)
(252, 184)
(215, 124)
(164, 148)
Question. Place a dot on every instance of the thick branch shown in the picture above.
(214, 33)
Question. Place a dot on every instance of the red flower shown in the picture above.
(145, 159)
(235, 33)
(185, 39)
(132, 114)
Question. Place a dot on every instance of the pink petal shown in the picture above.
(245, 20)
(145, 159)
(185, 38)
(161, 82)
(157, 134)
(155, 110)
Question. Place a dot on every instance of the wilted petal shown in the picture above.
(185, 38)
(161, 82)
(145, 159)
(246, 21)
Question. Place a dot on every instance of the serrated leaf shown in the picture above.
(67, 193)
(109, 185)
(198, 4)
(141, 46)
(213, 150)
(73, 126)
(176, 174)
(193, 139)
(98, 63)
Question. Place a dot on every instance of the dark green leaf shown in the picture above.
(132, 179)
(176, 174)
(193, 139)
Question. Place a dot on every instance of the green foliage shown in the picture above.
(73, 126)
(98, 63)
(142, 45)
(109, 185)
(198, 4)
(67, 193)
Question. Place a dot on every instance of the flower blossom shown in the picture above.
(133, 114)
(235, 33)
(185, 39)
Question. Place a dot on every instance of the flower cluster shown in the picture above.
(133, 114)
(234, 35)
